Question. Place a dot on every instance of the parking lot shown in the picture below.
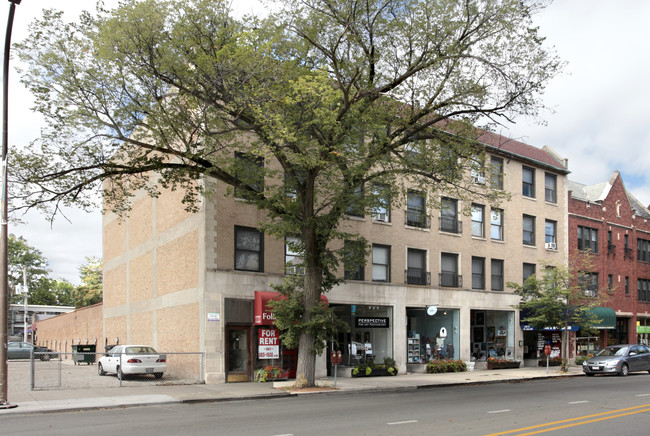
(62, 373)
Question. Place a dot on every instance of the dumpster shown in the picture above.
(83, 353)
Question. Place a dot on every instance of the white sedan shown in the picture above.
(132, 359)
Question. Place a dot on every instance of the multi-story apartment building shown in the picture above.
(611, 224)
(434, 285)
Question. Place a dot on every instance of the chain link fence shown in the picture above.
(81, 370)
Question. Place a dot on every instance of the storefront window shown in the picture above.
(371, 333)
(432, 334)
(493, 334)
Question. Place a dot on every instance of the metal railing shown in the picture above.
(450, 280)
(417, 276)
(450, 225)
(414, 218)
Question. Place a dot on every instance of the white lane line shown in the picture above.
(500, 411)
(578, 402)
(643, 395)
(402, 422)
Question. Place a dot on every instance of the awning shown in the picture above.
(262, 313)
(606, 315)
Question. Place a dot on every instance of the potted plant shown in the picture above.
(389, 367)
(496, 363)
(269, 373)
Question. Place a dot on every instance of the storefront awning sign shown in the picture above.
(372, 322)
(269, 344)
(262, 314)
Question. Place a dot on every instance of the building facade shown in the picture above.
(434, 285)
(611, 224)
(19, 318)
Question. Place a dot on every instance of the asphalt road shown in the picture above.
(567, 406)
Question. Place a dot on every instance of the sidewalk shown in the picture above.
(102, 398)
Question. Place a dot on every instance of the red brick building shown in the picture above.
(608, 221)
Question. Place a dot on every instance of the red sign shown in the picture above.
(262, 312)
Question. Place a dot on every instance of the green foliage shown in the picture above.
(581, 359)
(23, 257)
(446, 365)
(162, 94)
(91, 289)
(370, 368)
(266, 373)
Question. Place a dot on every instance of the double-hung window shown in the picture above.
(496, 224)
(293, 260)
(550, 236)
(449, 215)
(449, 270)
(528, 230)
(381, 208)
(249, 169)
(249, 245)
(496, 266)
(528, 182)
(478, 219)
(416, 268)
(587, 239)
(496, 172)
(550, 187)
(478, 273)
(353, 260)
(643, 250)
(355, 208)
(380, 263)
(416, 215)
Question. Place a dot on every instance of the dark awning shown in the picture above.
(606, 315)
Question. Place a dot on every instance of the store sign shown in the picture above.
(374, 322)
(262, 313)
(268, 344)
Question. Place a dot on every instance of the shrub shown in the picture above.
(446, 365)
(580, 359)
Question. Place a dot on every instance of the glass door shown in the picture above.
(238, 359)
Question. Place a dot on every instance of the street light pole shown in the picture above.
(4, 264)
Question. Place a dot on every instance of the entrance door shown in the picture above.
(238, 359)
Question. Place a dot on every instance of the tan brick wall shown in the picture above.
(178, 328)
(169, 210)
(115, 286)
(141, 328)
(140, 222)
(141, 278)
(114, 239)
(83, 325)
(116, 328)
(177, 264)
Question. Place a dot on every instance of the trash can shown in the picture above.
(83, 353)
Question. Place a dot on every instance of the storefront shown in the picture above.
(493, 334)
(370, 338)
(432, 333)
(643, 331)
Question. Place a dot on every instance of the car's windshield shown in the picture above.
(140, 350)
(613, 351)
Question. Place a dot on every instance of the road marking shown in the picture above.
(643, 395)
(402, 422)
(578, 402)
(629, 411)
(500, 411)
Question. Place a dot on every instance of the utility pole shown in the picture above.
(25, 316)
(4, 264)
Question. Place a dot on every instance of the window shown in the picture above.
(353, 260)
(416, 215)
(610, 282)
(643, 250)
(478, 216)
(627, 286)
(496, 224)
(528, 270)
(550, 187)
(589, 282)
(611, 248)
(478, 273)
(550, 239)
(356, 208)
(496, 267)
(449, 215)
(477, 171)
(587, 239)
(643, 289)
(248, 249)
(529, 230)
(381, 208)
(449, 161)
(293, 261)
(291, 182)
(248, 169)
(380, 263)
(416, 272)
(449, 270)
(528, 182)
(496, 167)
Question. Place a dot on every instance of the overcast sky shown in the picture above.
(601, 121)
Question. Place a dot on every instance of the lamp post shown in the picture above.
(4, 264)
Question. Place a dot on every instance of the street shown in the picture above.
(568, 406)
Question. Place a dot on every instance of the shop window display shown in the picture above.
(432, 334)
(492, 334)
(371, 333)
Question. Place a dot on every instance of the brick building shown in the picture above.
(434, 284)
(607, 221)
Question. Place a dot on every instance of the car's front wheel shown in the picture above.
(100, 369)
(625, 370)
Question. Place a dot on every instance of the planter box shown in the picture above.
(503, 365)
(376, 372)
(550, 362)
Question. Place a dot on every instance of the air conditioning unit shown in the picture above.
(383, 217)
(293, 270)
(478, 180)
(551, 246)
(590, 292)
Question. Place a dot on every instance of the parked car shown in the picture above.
(23, 350)
(618, 359)
(132, 359)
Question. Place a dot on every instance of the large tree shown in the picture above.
(91, 289)
(26, 263)
(320, 97)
